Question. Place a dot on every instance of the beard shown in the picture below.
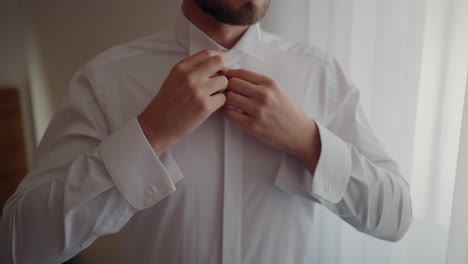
(249, 13)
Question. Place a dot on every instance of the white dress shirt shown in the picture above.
(218, 196)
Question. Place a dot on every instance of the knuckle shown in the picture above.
(258, 110)
(229, 94)
(189, 80)
(197, 96)
(204, 106)
(231, 82)
(265, 96)
(209, 52)
(178, 68)
(271, 83)
(261, 113)
(224, 81)
(241, 71)
(218, 59)
(255, 126)
(223, 98)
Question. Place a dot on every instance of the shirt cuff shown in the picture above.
(333, 170)
(142, 177)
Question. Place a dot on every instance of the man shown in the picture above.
(211, 143)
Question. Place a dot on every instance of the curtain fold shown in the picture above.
(457, 248)
(410, 61)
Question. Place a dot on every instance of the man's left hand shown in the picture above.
(270, 115)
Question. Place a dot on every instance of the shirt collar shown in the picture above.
(195, 40)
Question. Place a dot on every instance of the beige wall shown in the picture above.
(13, 66)
(43, 43)
(65, 34)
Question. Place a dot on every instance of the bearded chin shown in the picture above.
(246, 15)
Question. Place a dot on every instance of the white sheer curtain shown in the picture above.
(410, 60)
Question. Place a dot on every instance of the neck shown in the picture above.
(224, 34)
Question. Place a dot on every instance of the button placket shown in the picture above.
(232, 204)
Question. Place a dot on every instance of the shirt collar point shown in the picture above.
(194, 40)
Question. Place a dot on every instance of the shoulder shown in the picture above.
(105, 70)
(315, 62)
(299, 50)
(163, 41)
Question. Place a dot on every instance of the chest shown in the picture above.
(131, 88)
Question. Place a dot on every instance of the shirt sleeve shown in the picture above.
(141, 177)
(84, 182)
(355, 178)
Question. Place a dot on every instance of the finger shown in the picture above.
(216, 84)
(243, 87)
(211, 66)
(197, 58)
(217, 101)
(249, 76)
(238, 118)
(241, 102)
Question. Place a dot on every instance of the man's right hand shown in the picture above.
(190, 94)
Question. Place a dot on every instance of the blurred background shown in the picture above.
(409, 58)
(42, 44)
